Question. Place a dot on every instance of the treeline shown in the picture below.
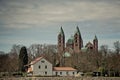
(9, 62)
(105, 61)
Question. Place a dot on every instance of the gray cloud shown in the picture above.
(100, 17)
(41, 12)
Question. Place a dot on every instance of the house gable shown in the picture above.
(41, 66)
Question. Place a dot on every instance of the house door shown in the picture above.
(56, 73)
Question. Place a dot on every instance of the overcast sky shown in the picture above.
(29, 22)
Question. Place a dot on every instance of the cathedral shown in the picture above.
(74, 45)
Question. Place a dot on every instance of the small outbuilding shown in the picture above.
(64, 71)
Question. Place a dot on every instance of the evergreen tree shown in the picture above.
(23, 59)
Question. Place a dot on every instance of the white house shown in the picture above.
(42, 67)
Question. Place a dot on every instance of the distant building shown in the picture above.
(73, 46)
(75, 43)
(42, 67)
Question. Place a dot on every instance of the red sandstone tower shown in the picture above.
(61, 41)
(78, 42)
(95, 44)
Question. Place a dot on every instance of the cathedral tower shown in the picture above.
(61, 41)
(78, 42)
(95, 44)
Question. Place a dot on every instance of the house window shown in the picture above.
(73, 73)
(39, 66)
(43, 61)
(45, 73)
(60, 73)
(45, 66)
(56, 73)
(66, 73)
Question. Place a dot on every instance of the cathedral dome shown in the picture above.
(70, 40)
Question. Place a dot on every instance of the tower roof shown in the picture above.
(95, 38)
(61, 31)
(77, 31)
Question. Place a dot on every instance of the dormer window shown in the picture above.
(43, 61)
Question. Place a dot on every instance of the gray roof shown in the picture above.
(61, 31)
(77, 31)
(70, 40)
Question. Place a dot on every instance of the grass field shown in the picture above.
(60, 78)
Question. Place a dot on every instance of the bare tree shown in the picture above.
(117, 47)
(13, 61)
(104, 49)
(36, 50)
(8, 62)
(3, 62)
(16, 48)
